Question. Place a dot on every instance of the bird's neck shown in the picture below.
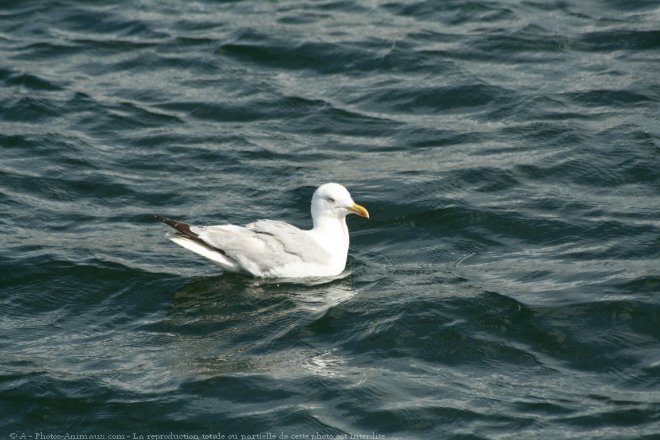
(331, 232)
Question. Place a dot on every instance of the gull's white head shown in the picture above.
(332, 200)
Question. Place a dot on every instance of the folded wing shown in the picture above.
(261, 248)
(264, 246)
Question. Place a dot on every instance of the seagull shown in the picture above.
(275, 249)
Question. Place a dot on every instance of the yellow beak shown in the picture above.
(359, 210)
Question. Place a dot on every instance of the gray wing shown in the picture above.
(264, 243)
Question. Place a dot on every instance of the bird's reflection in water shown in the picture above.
(234, 324)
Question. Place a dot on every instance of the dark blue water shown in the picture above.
(508, 282)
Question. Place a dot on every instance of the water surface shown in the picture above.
(506, 285)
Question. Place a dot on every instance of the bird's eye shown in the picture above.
(330, 199)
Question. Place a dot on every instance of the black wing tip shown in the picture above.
(183, 230)
(166, 220)
(181, 227)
